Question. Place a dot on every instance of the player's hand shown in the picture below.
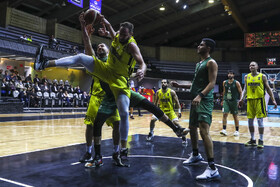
(240, 103)
(82, 19)
(140, 74)
(90, 29)
(222, 103)
(174, 84)
(179, 115)
(103, 20)
(196, 100)
(275, 104)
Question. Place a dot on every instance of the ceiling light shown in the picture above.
(177, 1)
(229, 12)
(226, 8)
(210, 1)
(162, 8)
(185, 6)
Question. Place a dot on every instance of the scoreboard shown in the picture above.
(262, 39)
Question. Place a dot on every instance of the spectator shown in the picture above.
(28, 78)
(33, 98)
(54, 88)
(23, 38)
(29, 40)
(66, 98)
(7, 77)
(36, 79)
(18, 76)
(74, 50)
(37, 87)
(23, 96)
(78, 90)
(85, 97)
(44, 79)
(45, 87)
(52, 42)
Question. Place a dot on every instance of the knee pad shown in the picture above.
(251, 122)
(260, 122)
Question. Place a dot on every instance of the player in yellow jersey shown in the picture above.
(255, 86)
(123, 55)
(166, 99)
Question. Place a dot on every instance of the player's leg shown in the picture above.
(211, 172)
(251, 113)
(225, 115)
(152, 126)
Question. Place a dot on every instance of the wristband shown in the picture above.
(201, 95)
(179, 110)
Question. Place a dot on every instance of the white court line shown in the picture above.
(250, 182)
(14, 182)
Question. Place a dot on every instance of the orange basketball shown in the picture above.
(92, 17)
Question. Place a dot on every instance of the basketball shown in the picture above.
(92, 17)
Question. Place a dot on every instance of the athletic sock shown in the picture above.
(88, 149)
(224, 127)
(211, 163)
(252, 135)
(116, 148)
(195, 152)
(261, 137)
(97, 149)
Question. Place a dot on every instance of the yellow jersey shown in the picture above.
(119, 60)
(165, 100)
(255, 86)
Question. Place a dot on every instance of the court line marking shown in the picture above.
(249, 180)
(14, 182)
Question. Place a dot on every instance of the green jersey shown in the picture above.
(201, 80)
(231, 91)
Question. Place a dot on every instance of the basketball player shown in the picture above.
(166, 98)
(99, 97)
(255, 85)
(231, 90)
(123, 55)
(201, 109)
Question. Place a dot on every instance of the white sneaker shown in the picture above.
(236, 133)
(209, 174)
(224, 132)
(193, 159)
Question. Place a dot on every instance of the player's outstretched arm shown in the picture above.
(87, 31)
(177, 85)
(108, 26)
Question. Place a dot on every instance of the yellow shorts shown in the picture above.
(256, 108)
(117, 83)
(171, 115)
(93, 107)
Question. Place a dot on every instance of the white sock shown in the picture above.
(261, 137)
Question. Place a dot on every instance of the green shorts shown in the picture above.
(230, 107)
(135, 98)
(201, 113)
(106, 105)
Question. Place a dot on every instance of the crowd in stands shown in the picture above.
(41, 92)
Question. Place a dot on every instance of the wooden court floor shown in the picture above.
(46, 130)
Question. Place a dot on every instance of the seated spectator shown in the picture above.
(28, 78)
(37, 87)
(78, 90)
(45, 87)
(1, 81)
(44, 79)
(23, 97)
(36, 79)
(18, 76)
(23, 38)
(19, 85)
(74, 50)
(66, 98)
(52, 42)
(33, 98)
(7, 77)
(54, 88)
(29, 40)
(85, 97)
